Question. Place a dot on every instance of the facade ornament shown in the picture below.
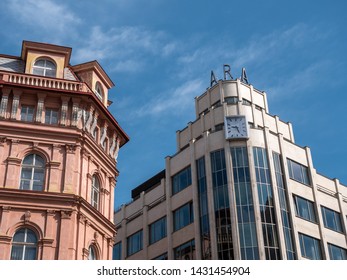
(117, 149)
(96, 235)
(103, 136)
(111, 152)
(88, 119)
(40, 102)
(27, 217)
(66, 214)
(93, 126)
(70, 148)
(15, 104)
(3, 140)
(3, 105)
(75, 114)
(64, 108)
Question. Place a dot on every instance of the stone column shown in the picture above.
(69, 167)
(75, 111)
(66, 246)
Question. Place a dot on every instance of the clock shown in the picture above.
(236, 127)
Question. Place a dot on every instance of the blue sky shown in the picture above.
(160, 54)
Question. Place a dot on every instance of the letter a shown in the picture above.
(244, 78)
(213, 79)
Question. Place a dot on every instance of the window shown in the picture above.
(51, 116)
(24, 245)
(331, 219)
(92, 253)
(310, 247)
(337, 253)
(33, 173)
(181, 180)
(183, 216)
(161, 257)
(44, 67)
(298, 172)
(95, 192)
(246, 102)
(219, 127)
(185, 251)
(134, 243)
(157, 230)
(231, 100)
(216, 104)
(117, 251)
(27, 113)
(305, 209)
(98, 91)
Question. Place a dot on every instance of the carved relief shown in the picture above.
(93, 127)
(70, 148)
(66, 214)
(27, 217)
(75, 114)
(117, 149)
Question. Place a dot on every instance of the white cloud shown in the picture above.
(173, 101)
(44, 15)
(129, 45)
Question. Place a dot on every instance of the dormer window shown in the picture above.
(45, 67)
(98, 91)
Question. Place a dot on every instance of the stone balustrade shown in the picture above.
(45, 82)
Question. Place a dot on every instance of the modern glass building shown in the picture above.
(239, 187)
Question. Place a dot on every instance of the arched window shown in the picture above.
(95, 192)
(92, 253)
(45, 67)
(33, 173)
(98, 91)
(24, 245)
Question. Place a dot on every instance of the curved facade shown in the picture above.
(237, 188)
(58, 157)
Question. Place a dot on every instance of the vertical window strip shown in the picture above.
(283, 200)
(244, 204)
(185, 251)
(203, 209)
(221, 206)
(267, 209)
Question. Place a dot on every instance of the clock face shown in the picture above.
(236, 127)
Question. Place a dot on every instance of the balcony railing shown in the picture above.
(45, 82)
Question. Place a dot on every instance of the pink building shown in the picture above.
(58, 156)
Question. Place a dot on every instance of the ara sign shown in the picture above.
(227, 75)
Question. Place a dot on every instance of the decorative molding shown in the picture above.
(75, 114)
(14, 160)
(66, 214)
(6, 208)
(70, 148)
(3, 140)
